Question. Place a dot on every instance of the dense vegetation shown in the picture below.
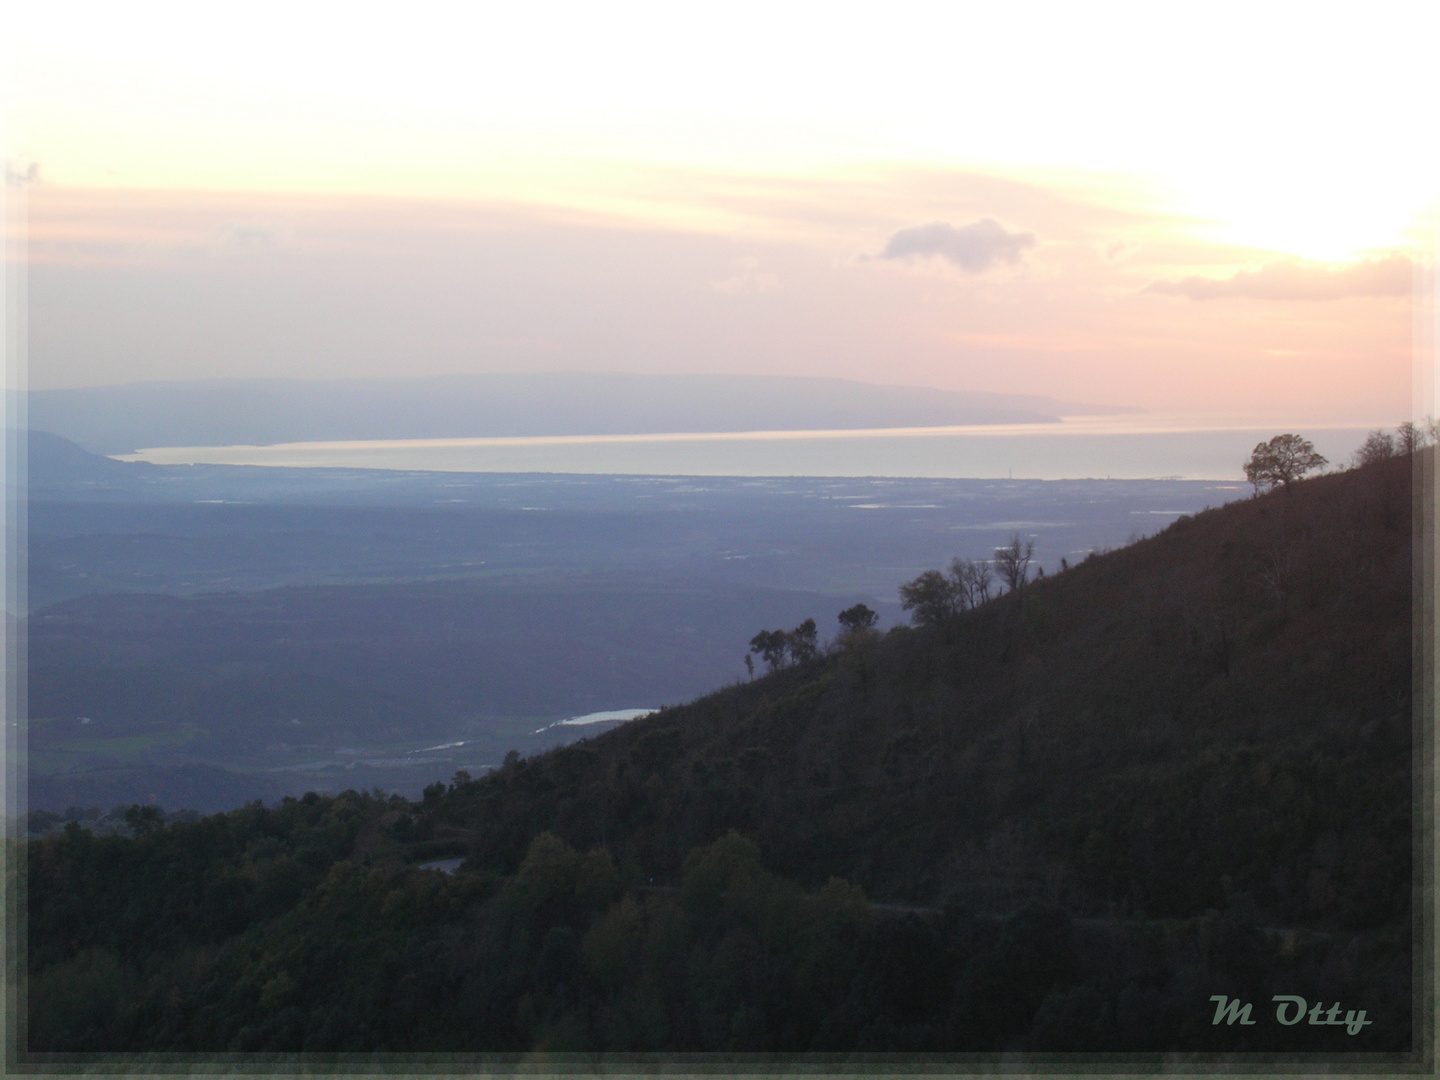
(1061, 820)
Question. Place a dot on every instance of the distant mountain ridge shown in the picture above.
(221, 412)
(54, 461)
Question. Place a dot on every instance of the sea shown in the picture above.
(1132, 447)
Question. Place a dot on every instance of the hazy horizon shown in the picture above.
(696, 424)
(219, 412)
(1035, 451)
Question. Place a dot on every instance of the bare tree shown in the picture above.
(1012, 562)
(971, 580)
(1378, 446)
(1410, 437)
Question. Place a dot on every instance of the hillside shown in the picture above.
(56, 463)
(1060, 822)
(1226, 704)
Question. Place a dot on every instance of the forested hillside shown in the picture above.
(1226, 704)
(1061, 821)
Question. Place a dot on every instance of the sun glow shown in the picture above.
(1208, 216)
(1250, 133)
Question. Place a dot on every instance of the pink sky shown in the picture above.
(1165, 206)
(956, 280)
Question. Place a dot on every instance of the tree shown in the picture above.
(1282, 460)
(858, 618)
(1378, 446)
(1259, 468)
(803, 642)
(1410, 437)
(1012, 562)
(143, 820)
(972, 580)
(771, 646)
(931, 597)
(934, 597)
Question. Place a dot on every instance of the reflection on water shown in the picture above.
(1096, 447)
(609, 716)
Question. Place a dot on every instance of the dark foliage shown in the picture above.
(1176, 771)
(858, 619)
(1282, 460)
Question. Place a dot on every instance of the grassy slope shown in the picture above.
(1220, 709)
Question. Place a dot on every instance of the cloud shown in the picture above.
(239, 238)
(1115, 251)
(14, 178)
(1296, 280)
(751, 278)
(975, 247)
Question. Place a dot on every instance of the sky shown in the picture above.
(1215, 208)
